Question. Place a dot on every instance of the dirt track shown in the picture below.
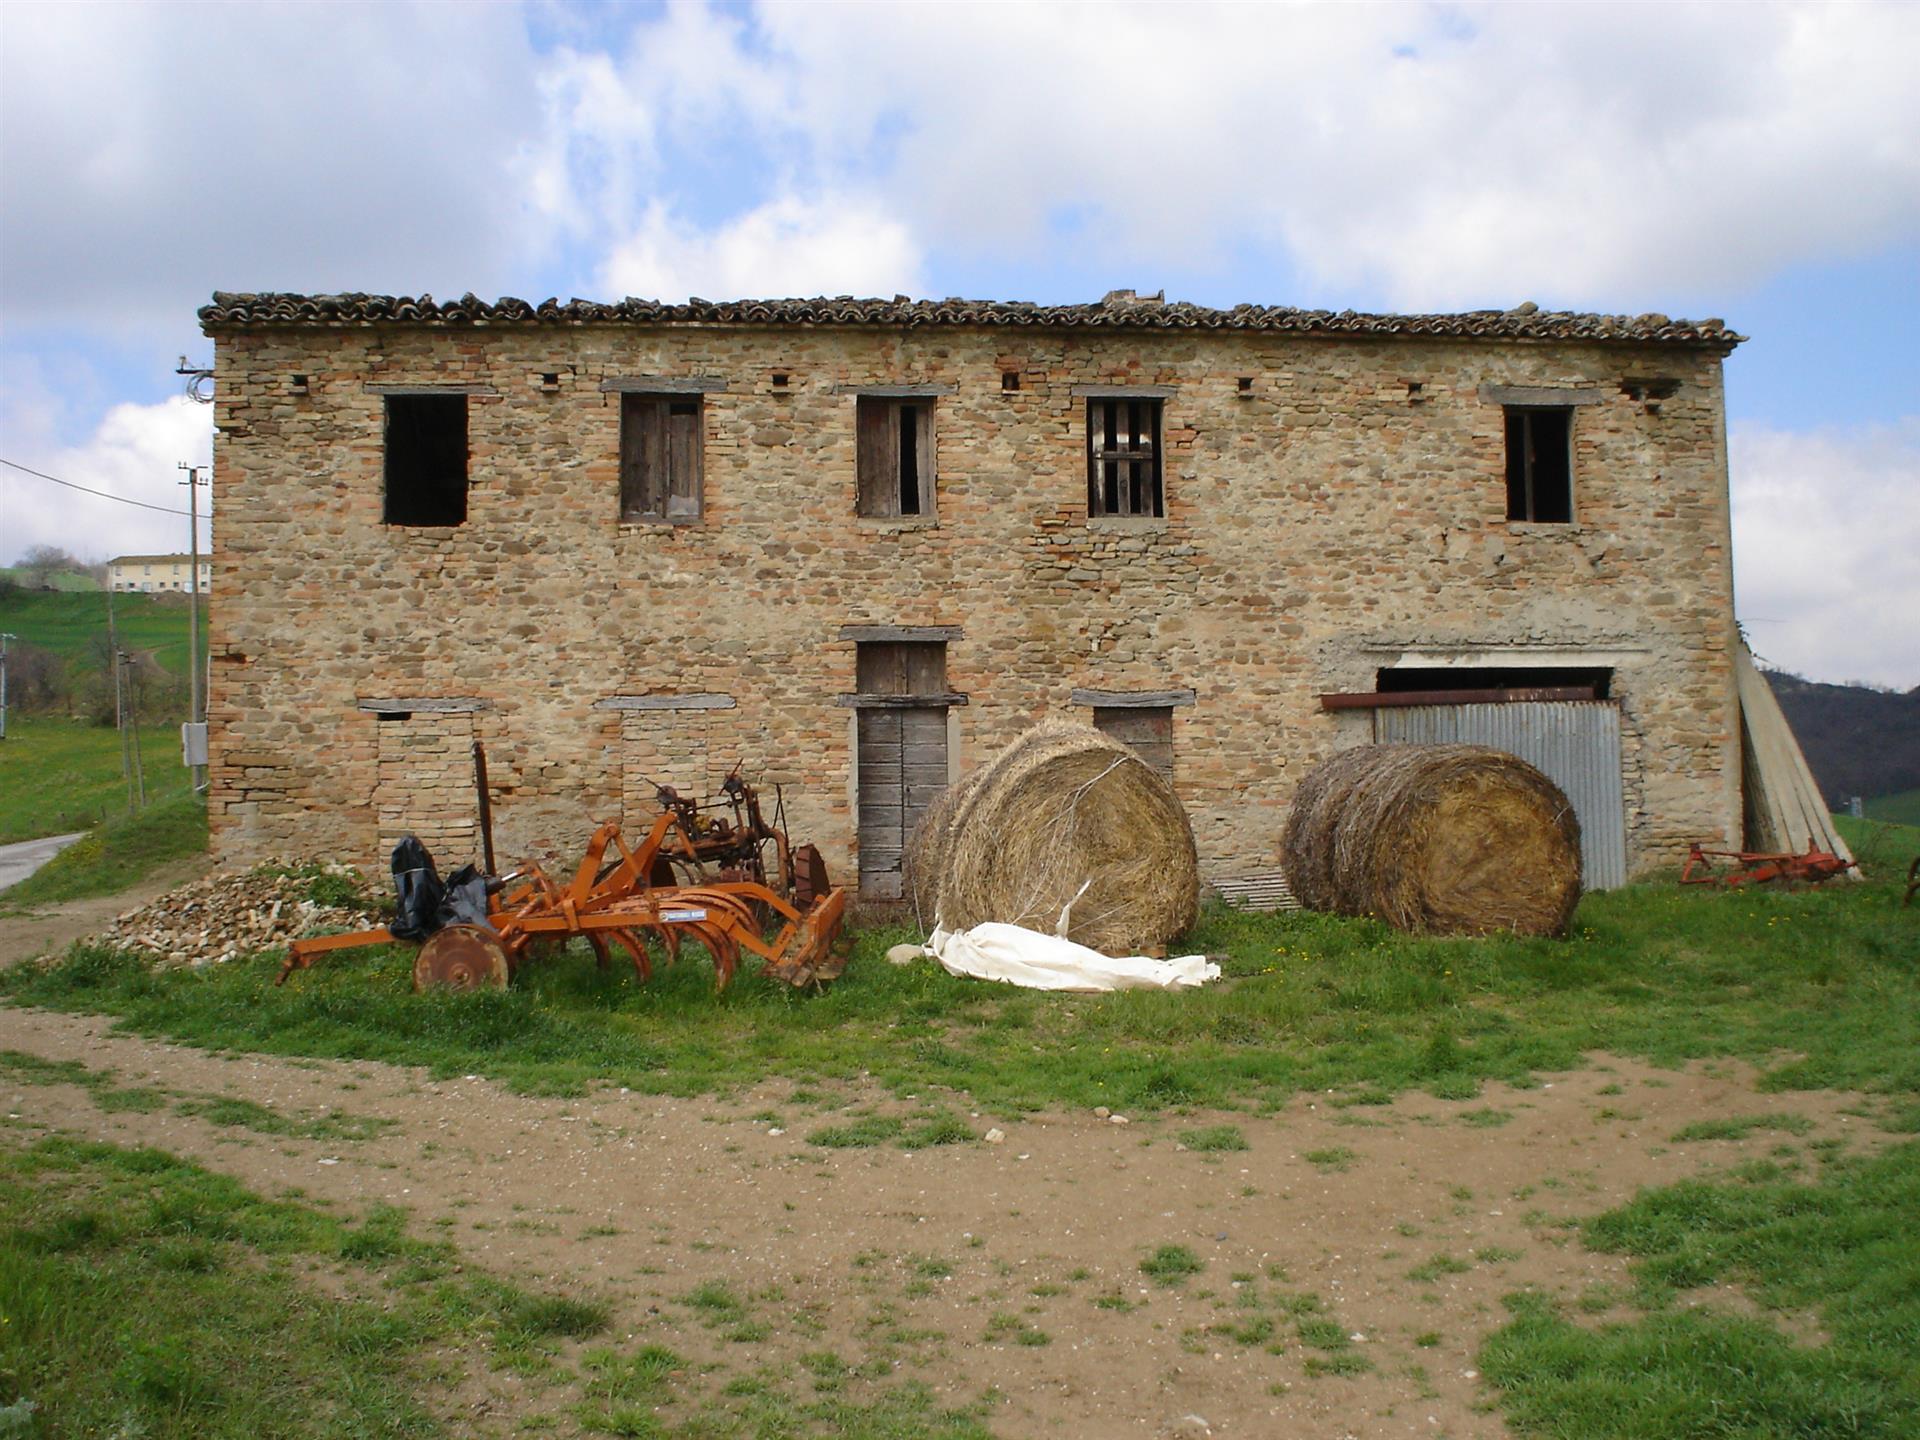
(640, 1199)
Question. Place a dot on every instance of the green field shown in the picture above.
(59, 775)
(67, 624)
(1902, 808)
(62, 580)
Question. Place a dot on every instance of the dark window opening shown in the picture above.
(1009, 379)
(1146, 729)
(780, 379)
(1246, 384)
(1596, 679)
(660, 457)
(894, 456)
(426, 460)
(1123, 458)
(387, 717)
(1540, 465)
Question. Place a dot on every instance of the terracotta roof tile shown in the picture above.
(1118, 312)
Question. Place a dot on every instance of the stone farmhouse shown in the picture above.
(858, 545)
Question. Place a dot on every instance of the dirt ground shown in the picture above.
(947, 1262)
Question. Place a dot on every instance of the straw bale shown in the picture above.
(1436, 839)
(926, 855)
(1068, 821)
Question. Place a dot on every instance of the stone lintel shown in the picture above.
(380, 388)
(1133, 699)
(1542, 394)
(895, 392)
(1125, 392)
(896, 633)
(664, 385)
(901, 702)
(430, 705)
(665, 702)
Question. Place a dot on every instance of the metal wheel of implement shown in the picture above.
(462, 957)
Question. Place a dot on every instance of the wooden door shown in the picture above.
(903, 755)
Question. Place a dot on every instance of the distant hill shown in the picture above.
(1858, 741)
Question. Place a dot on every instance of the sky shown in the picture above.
(1755, 162)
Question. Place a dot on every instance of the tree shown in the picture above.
(42, 562)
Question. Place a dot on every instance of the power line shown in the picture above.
(104, 495)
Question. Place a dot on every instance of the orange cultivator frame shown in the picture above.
(613, 897)
(1750, 867)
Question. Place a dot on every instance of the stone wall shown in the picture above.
(1342, 512)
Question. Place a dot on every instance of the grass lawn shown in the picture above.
(67, 623)
(59, 775)
(1822, 987)
(143, 1295)
(1837, 1248)
(1899, 809)
(116, 854)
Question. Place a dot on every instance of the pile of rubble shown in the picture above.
(232, 913)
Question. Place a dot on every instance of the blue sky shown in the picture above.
(1756, 162)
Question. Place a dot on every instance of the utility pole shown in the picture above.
(195, 712)
(119, 708)
(133, 707)
(5, 636)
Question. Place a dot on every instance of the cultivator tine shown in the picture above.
(809, 956)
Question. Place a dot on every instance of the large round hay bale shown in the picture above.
(1435, 839)
(926, 856)
(1066, 821)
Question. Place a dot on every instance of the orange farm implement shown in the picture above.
(622, 895)
(1748, 867)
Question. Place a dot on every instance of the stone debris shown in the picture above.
(223, 916)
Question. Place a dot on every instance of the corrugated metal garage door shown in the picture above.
(1575, 744)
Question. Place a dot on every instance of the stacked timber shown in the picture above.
(1435, 839)
(1784, 807)
(1067, 832)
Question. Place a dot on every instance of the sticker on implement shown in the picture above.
(682, 917)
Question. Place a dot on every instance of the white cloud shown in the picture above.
(1441, 155)
(133, 452)
(1826, 546)
(835, 246)
(156, 152)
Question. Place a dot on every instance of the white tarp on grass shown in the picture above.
(1018, 956)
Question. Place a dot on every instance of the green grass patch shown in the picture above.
(74, 625)
(1900, 808)
(1334, 1157)
(1740, 1127)
(1432, 1269)
(119, 853)
(1172, 1265)
(1842, 1249)
(143, 1295)
(101, 1085)
(1214, 1137)
(59, 775)
(1830, 976)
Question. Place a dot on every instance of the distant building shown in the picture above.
(157, 572)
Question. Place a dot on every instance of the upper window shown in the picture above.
(426, 460)
(1540, 464)
(1123, 458)
(660, 457)
(894, 439)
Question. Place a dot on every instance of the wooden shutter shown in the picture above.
(1146, 729)
(643, 452)
(877, 455)
(683, 458)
